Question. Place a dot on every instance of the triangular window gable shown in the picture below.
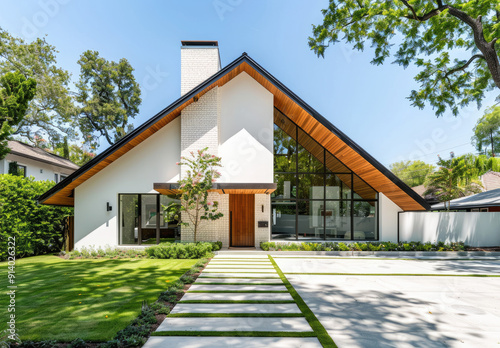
(317, 196)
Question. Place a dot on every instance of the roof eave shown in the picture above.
(243, 58)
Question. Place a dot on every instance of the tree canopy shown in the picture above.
(433, 35)
(455, 178)
(487, 131)
(15, 94)
(412, 173)
(49, 114)
(109, 97)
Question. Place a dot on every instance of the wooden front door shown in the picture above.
(242, 210)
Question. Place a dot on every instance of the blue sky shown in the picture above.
(366, 102)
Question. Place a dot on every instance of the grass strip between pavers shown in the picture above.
(237, 301)
(242, 284)
(237, 291)
(237, 333)
(231, 271)
(231, 315)
(399, 274)
(231, 277)
(395, 258)
(320, 331)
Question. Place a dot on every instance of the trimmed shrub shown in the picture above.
(38, 229)
(181, 250)
(366, 246)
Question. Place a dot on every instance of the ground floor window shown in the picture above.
(141, 219)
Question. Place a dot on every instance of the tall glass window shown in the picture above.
(142, 219)
(317, 196)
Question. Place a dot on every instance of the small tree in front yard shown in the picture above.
(194, 207)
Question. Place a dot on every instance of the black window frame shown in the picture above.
(325, 172)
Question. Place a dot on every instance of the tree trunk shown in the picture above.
(492, 147)
(486, 48)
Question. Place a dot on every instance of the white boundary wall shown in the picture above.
(472, 228)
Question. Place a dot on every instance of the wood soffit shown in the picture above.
(62, 194)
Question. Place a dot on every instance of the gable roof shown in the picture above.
(24, 150)
(319, 128)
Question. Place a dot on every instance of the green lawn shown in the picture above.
(66, 299)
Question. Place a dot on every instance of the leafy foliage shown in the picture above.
(50, 112)
(412, 173)
(426, 33)
(15, 94)
(194, 207)
(487, 131)
(109, 98)
(363, 246)
(455, 178)
(181, 250)
(76, 154)
(38, 229)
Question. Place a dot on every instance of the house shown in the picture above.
(429, 198)
(36, 162)
(288, 174)
(487, 201)
(490, 180)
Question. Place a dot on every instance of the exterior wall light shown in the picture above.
(262, 207)
(108, 207)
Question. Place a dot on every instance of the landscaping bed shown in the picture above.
(364, 246)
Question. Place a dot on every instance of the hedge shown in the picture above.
(38, 229)
(362, 246)
(182, 250)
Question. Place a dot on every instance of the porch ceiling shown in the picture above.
(221, 188)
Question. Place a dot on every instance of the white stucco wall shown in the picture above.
(246, 131)
(154, 160)
(39, 170)
(474, 229)
(388, 219)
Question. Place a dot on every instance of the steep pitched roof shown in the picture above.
(319, 128)
(24, 150)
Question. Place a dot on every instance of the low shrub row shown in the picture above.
(160, 251)
(363, 246)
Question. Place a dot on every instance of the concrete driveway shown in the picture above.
(401, 303)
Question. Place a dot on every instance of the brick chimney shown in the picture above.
(199, 61)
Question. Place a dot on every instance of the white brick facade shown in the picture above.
(262, 234)
(197, 65)
(199, 125)
(212, 231)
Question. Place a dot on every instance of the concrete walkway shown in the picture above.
(241, 294)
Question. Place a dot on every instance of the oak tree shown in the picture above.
(15, 94)
(109, 98)
(452, 42)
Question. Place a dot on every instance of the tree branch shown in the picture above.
(463, 67)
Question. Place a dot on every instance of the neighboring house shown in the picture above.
(487, 201)
(429, 198)
(490, 180)
(288, 174)
(36, 162)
